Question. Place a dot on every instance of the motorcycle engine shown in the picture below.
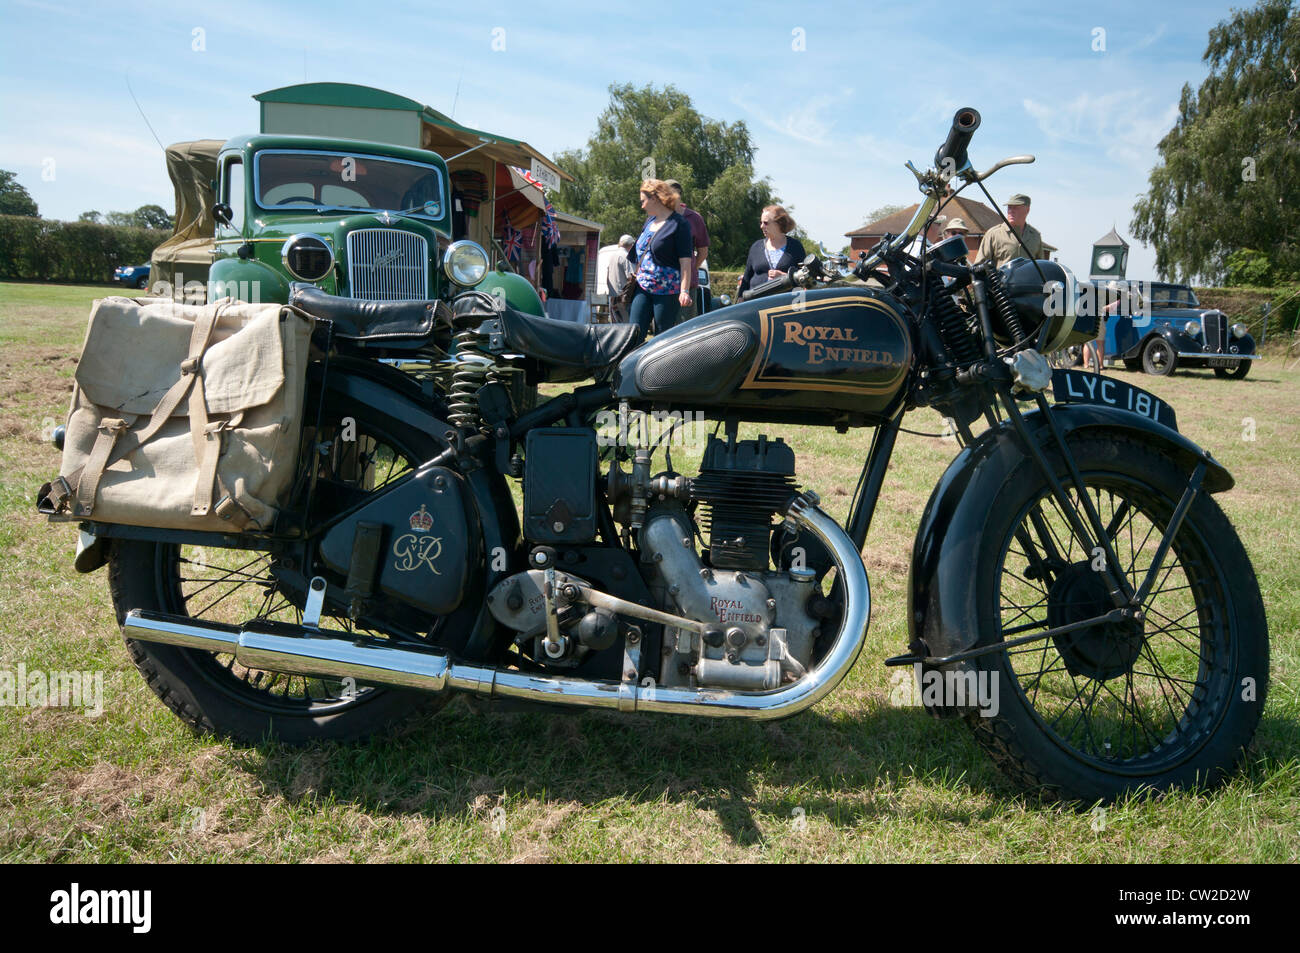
(753, 626)
(758, 632)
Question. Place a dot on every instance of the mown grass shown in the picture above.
(854, 779)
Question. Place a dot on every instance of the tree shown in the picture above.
(883, 212)
(1231, 165)
(14, 198)
(656, 133)
(93, 217)
(152, 216)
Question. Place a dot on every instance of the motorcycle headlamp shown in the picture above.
(307, 257)
(1045, 291)
(465, 263)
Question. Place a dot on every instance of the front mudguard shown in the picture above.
(941, 598)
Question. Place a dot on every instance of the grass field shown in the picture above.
(854, 779)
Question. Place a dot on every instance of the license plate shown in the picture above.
(1221, 362)
(1081, 387)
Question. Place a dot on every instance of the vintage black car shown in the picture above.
(1170, 330)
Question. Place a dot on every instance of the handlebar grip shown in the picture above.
(775, 286)
(964, 124)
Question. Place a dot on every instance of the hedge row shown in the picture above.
(1248, 305)
(39, 249)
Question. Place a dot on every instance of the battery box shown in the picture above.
(560, 475)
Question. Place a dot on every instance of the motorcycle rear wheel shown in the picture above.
(1109, 710)
(213, 693)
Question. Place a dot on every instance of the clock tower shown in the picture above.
(1109, 256)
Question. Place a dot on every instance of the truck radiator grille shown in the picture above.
(387, 264)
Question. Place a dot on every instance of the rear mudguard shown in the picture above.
(941, 596)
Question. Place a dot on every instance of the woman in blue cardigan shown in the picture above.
(773, 255)
(663, 260)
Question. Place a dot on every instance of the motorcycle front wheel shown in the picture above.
(1169, 701)
(211, 691)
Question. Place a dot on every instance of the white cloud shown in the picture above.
(1124, 126)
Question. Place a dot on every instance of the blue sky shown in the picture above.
(836, 95)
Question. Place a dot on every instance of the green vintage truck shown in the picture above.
(359, 219)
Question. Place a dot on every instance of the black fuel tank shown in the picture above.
(830, 349)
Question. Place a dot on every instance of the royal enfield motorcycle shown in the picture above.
(438, 540)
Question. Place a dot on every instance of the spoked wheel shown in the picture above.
(1066, 357)
(212, 691)
(1170, 699)
(1158, 357)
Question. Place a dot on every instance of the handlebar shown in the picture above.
(953, 150)
(775, 286)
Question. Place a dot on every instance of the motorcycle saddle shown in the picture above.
(566, 344)
(392, 325)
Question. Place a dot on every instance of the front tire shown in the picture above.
(1158, 357)
(1118, 708)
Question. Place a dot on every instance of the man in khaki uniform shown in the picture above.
(1000, 245)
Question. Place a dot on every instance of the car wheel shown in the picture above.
(1233, 373)
(142, 282)
(1159, 358)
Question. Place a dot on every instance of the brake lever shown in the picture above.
(972, 176)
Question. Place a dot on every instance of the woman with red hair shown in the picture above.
(663, 260)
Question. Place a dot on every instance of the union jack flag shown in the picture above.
(528, 177)
(512, 241)
(550, 230)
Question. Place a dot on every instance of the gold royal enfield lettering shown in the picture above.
(812, 336)
(826, 344)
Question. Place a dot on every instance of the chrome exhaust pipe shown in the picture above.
(288, 648)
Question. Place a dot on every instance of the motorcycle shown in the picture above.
(1072, 553)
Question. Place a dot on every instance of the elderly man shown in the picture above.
(1001, 244)
(618, 270)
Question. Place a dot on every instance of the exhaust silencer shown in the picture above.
(281, 647)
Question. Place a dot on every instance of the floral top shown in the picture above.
(654, 278)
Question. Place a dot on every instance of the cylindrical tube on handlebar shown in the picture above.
(964, 124)
(775, 286)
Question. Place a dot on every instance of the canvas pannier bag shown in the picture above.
(184, 416)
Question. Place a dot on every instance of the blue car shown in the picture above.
(134, 276)
(1175, 331)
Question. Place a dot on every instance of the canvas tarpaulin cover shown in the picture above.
(193, 168)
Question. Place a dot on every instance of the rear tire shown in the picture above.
(211, 692)
(1118, 708)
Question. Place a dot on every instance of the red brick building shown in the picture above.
(979, 218)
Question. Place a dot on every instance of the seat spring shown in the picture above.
(474, 368)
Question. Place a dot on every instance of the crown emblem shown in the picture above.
(421, 521)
